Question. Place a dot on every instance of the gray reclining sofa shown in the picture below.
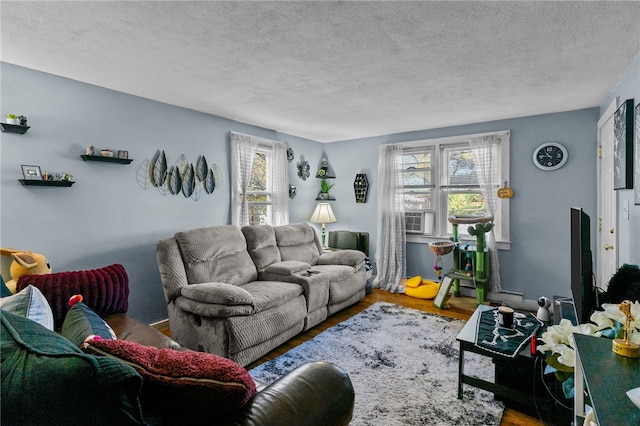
(240, 293)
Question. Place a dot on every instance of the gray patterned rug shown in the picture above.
(404, 367)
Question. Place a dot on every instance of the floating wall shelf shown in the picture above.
(36, 182)
(107, 159)
(14, 128)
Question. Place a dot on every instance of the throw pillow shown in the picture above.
(46, 379)
(29, 303)
(218, 293)
(81, 322)
(197, 383)
(4, 290)
(105, 290)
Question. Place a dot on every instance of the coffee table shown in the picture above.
(513, 383)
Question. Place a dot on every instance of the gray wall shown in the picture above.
(538, 260)
(106, 217)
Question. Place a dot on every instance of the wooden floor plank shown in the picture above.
(459, 308)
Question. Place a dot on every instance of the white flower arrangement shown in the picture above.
(559, 344)
(558, 339)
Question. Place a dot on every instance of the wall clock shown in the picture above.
(550, 156)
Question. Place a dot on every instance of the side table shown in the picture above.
(607, 377)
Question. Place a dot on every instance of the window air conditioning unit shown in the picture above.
(419, 221)
(414, 221)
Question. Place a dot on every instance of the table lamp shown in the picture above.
(323, 214)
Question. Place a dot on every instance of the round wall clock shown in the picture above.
(550, 156)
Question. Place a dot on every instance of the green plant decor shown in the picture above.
(12, 116)
(325, 187)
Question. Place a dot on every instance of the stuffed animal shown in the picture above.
(22, 263)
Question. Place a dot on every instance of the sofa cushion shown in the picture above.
(190, 382)
(218, 293)
(29, 303)
(287, 268)
(81, 322)
(105, 290)
(46, 379)
(272, 294)
(261, 245)
(298, 242)
(216, 254)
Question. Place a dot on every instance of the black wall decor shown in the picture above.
(623, 152)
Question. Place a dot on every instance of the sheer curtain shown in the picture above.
(279, 185)
(391, 242)
(243, 152)
(486, 156)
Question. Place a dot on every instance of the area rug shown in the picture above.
(404, 367)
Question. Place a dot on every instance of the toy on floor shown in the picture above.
(22, 263)
(421, 289)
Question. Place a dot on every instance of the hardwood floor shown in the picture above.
(460, 308)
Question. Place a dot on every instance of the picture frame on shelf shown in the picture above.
(636, 182)
(123, 154)
(31, 172)
(623, 146)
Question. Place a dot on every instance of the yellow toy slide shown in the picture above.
(421, 289)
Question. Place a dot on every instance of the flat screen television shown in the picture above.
(582, 287)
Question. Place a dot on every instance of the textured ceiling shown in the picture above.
(332, 71)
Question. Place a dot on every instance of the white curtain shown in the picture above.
(279, 185)
(243, 152)
(391, 242)
(486, 155)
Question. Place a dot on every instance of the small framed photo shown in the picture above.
(123, 154)
(31, 172)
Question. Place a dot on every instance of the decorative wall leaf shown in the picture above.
(182, 164)
(210, 182)
(160, 170)
(188, 181)
(142, 175)
(175, 181)
(197, 190)
(201, 168)
(217, 173)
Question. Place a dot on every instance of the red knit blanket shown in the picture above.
(105, 290)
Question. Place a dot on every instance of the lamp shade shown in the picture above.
(323, 214)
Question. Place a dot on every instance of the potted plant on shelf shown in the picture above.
(12, 119)
(324, 190)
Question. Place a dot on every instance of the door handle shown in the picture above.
(608, 247)
(611, 231)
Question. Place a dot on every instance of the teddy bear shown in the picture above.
(16, 263)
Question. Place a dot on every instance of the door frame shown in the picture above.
(607, 212)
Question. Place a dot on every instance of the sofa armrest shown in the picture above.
(218, 293)
(348, 257)
(316, 393)
(288, 267)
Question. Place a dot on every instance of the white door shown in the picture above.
(607, 224)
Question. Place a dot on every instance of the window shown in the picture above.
(259, 174)
(441, 179)
(259, 197)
